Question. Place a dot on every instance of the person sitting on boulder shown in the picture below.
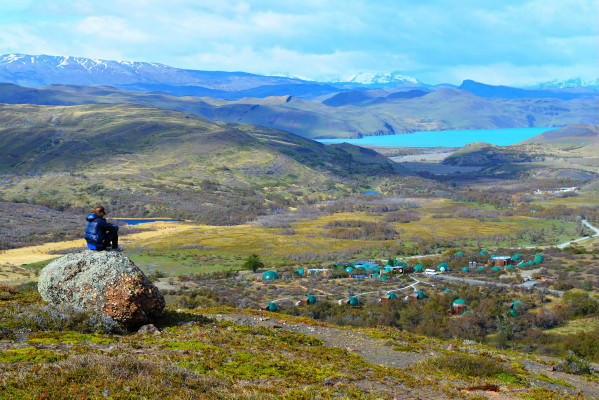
(99, 234)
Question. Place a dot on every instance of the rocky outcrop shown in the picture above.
(107, 282)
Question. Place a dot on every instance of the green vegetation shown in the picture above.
(226, 360)
(253, 263)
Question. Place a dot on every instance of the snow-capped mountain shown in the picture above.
(569, 83)
(374, 78)
(43, 70)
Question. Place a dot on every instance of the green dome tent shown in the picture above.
(496, 268)
(538, 258)
(375, 275)
(522, 264)
(465, 269)
(272, 306)
(392, 262)
(458, 306)
(402, 264)
(493, 255)
(384, 278)
(418, 268)
(311, 299)
(531, 262)
(443, 267)
(459, 253)
(447, 290)
(510, 267)
(353, 301)
(349, 269)
(392, 296)
(513, 312)
(270, 275)
(483, 252)
(300, 271)
(420, 294)
(480, 268)
(517, 256)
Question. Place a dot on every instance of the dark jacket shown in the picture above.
(95, 233)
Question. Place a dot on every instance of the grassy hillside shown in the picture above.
(575, 134)
(440, 110)
(147, 161)
(239, 354)
(485, 155)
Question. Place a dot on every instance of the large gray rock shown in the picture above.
(104, 281)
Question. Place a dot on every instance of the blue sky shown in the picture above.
(512, 42)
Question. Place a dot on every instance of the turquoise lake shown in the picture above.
(454, 138)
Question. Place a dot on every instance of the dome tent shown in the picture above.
(420, 294)
(300, 271)
(465, 269)
(443, 267)
(392, 262)
(517, 257)
(311, 299)
(349, 269)
(392, 296)
(480, 268)
(353, 301)
(458, 307)
(459, 253)
(522, 264)
(270, 275)
(496, 268)
(418, 268)
(384, 278)
(483, 252)
(271, 306)
(402, 264)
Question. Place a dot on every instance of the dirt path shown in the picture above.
(381, 352)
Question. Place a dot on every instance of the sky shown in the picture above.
(509, 42)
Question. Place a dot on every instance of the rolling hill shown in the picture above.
(440, 110)
(147, 161)
(579, 134)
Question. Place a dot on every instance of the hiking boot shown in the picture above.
(119, 249)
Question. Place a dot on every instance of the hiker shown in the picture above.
(99, 234)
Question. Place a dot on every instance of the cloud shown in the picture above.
(435, 41)
(111, 29)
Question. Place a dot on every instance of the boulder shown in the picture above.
(107, 282)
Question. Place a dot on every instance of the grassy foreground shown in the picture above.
(50, 353)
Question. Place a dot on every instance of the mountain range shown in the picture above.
(348, 114)
(43, 70)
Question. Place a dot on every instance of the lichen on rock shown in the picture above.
(107, 282)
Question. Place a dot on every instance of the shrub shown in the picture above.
(574, 365)
(469, 365)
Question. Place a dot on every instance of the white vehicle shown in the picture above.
(430, 271)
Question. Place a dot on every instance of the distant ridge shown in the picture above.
(439, 110)
(507, 92)
(44, 70)
(36, 71)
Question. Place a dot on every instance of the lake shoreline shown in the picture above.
(447, 138)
